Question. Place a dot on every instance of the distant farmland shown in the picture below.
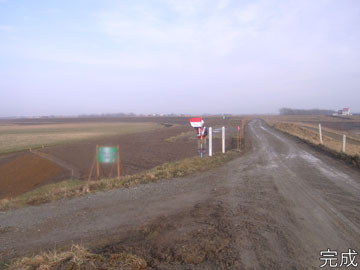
(20, 137)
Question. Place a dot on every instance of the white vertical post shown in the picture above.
(210, 141)
(344, 143)
(223, 139)
(320, 134)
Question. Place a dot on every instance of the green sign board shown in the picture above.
(107, 154)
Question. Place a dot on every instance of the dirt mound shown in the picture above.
(26, 172)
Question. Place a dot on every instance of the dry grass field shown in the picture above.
(20, 137)
(306, 128)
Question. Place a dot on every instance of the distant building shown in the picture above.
(343, 112)
(346, 111)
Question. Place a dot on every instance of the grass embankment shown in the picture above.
(75, 188)
(330, 145)
(78, 257)
(20, 137)
(332, 132)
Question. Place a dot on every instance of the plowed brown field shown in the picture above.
(26, 172)
(23, 172)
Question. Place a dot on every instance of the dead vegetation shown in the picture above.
(330, 144)
(202, 236)
(78, 258)
(331, 132)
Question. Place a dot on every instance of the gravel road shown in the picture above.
(276, 207)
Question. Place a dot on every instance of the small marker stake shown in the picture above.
(210, 141)
(223, 140)
(320, 134)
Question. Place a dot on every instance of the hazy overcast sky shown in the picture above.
(183, 56)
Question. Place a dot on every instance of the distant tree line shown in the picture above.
(289, 111)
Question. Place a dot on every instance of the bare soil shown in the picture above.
(25, 172)
(138, 152)
(276, 207)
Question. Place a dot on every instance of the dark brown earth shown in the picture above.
(276, 207)
(138, 152)
(26, 172)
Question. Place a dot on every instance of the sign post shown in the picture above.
(201, 132)
(107, 155)
(118, 161)
(97, 163)
(238, 140)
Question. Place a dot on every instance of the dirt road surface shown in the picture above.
(276, 207)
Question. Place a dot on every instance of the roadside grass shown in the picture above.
(75, 188)
(314, 127)
(330, 145)
(339, 125)
(310, 118)
(19, 137)
(78, 257)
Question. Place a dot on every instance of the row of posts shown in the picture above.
(343, 140)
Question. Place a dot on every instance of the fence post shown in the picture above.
(210, 141)
(223, 140)
(242, 129)
(344, 143)
(97, 164)
(320, 134)
(118, 161)
(238, 139)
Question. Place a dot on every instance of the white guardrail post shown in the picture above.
(320, 134)
(210, 141)
(223, 140)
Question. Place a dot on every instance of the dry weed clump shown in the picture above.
(298, 131)
(78, 257)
